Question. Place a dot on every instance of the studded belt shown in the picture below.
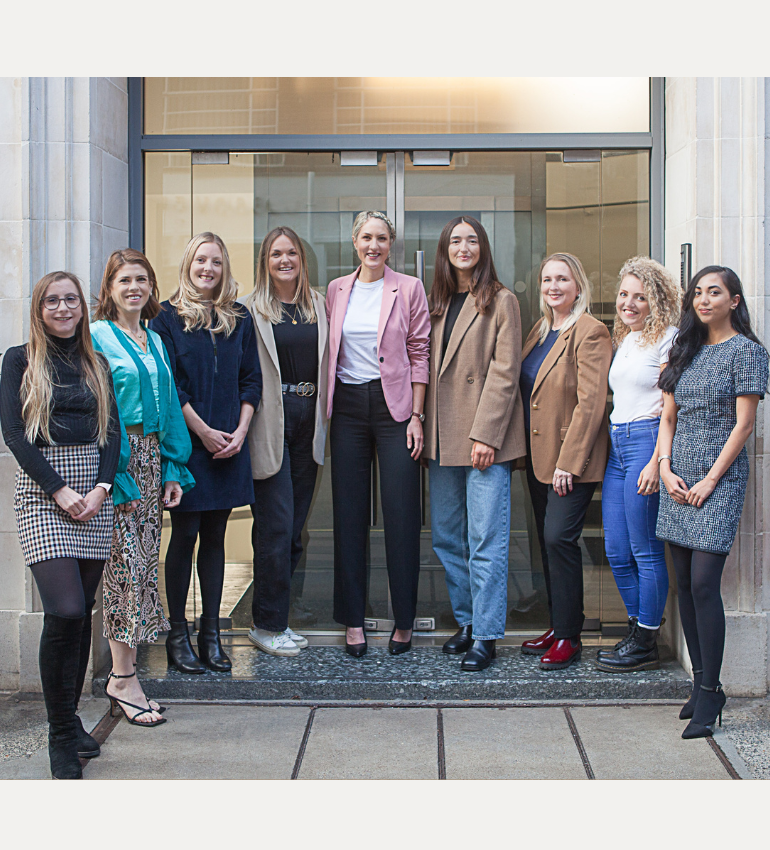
(304, 388)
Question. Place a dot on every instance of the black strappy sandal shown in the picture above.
(157, 707)
(119, 703)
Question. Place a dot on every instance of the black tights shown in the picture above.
(67, 585)
(186, 526)
(699, 579)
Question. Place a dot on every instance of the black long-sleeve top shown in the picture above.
(73, 415)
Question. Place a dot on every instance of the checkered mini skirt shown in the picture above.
(45, 530)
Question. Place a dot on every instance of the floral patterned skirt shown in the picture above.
(133, 613)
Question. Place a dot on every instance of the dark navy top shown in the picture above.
(215, 374)
(530, 366)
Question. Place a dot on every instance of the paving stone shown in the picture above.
(205, 742)
(510, 743)
(643, 742)
(370, 743)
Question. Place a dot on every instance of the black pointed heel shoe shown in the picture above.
(479, 656)
(398, 647)
(688, 709)
(710, 703)
(460, 641)
(355, 649)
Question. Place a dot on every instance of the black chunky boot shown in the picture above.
(460, 641)
(59, 657)
(210, 646)
(479, 656)
(640, 653)
(632, 621)
(688, 709)
(179, 650)
(88, 748)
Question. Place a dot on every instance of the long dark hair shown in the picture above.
(693, 333)
(484, 283)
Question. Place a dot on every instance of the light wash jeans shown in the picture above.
(635, 554)
(471, 520)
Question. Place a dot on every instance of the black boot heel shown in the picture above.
(707, 710)
(689, 707)
(210, 646)
(179, 650)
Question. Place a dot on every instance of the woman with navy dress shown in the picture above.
(716, 375)
(213, 353)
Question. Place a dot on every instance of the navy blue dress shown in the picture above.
(215, 374)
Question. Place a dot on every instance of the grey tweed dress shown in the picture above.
(706, 395)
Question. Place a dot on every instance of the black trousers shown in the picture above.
(281, 505)
(559, 521)
(361, 424)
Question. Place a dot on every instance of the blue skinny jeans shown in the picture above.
(635, 554)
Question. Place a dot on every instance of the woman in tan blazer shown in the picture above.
(565, 363)
(474, 429)
(288, 432)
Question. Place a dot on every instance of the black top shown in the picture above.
(73, 415)
(530, 366)
(297, 347)
(453, 311)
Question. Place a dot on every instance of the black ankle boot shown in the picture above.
(479, 656)
(639, 653)
(59, 657)
(460, 641)
(632, 621)
(708, 707)
(689, 707)
(210, 646)
(179, 650)
(88, 747)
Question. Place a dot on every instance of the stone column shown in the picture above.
(63, 205)
(717, 199)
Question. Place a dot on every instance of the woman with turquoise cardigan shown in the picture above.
(154, 454)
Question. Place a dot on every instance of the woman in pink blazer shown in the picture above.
(378, 371)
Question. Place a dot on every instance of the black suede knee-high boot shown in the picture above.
(88, 747)
(59, 657)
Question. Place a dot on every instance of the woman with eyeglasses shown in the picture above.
(60, 421)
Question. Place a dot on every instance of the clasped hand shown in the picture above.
(81, 508)
(221, 444)
(684, 495)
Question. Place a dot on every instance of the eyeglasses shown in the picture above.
(51, 302)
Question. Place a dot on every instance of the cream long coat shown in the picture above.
(266, 429)
(474, 394)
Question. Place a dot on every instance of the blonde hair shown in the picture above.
(263, 296)
(364, 216)
(582, 302)
(191, 307)
(37, 383)
(663, 293)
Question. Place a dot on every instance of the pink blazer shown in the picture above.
(402, 337)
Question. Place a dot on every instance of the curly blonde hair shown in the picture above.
(663, 294)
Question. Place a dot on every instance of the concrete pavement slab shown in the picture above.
(510, 743)
(370, 743)
(643, 742)
(205, 742)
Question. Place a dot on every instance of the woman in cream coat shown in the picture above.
(288, 432)
(474, 429)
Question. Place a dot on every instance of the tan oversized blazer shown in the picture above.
(266, 429)
(475, 394)
(568, 408)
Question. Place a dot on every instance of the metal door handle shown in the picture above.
(419, 265)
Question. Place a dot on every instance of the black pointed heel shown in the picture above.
(355, 649)
(688, 709)
(398, 647)
(707, 707)
(119, 703)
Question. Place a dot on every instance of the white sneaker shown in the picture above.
(274, 643)
(298, 640)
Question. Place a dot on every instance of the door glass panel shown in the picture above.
(365, 105)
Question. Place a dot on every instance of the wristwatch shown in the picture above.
(420, 416)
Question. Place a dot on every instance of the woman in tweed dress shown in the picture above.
(60, 420)
(717, 372)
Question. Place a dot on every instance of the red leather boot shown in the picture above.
(540, 645)
(561, 654)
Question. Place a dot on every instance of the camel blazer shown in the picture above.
(568, 408)
(474, 394)
(266, 429)
(402, 336)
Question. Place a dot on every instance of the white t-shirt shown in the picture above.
(357, 362)
(634, 378)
